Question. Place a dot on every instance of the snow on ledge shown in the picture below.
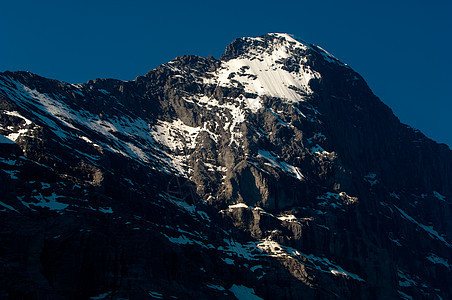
(323, 264)
(439, 260)
(238, 205)
(288, 218)
(283, 166)
(428, 229)
(242, 292)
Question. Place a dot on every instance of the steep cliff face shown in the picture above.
(273, 172)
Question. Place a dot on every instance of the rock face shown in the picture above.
(273, 172)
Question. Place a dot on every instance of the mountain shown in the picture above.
(271, 173)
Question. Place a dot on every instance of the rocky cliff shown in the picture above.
(273, 172)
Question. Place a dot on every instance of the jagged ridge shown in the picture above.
(275, 163)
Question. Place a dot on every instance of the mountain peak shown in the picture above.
(275, 65)
(276, 164)
(268, 43)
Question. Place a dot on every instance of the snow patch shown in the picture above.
(394, 195)
(50, 202)
(428, 229)
(215, 287)
(336, 200)
(318, 150)
(439, 196)
(371, 178)
(242, 292)
(101, 296)
(405, 280)
(12, 173)
(404, 296)
(247, 251)
(8, 206)
(280, 121)
(273, 161)
(253, 104)
(238, 205)
(322, 264)
(228, 261)
(395, 241)
(181, 240)
(155, 295)
(15, 135)
(105, 210)
(439, 260)
(104, 91)
(255, 268)
(175, 135)
(191, 209)
(16, 114)
(288, 218)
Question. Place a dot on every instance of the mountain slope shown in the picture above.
(273, 172)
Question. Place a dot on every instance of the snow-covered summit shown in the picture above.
(277, 65)
(274, 65)
(248, 46)
(268, 43)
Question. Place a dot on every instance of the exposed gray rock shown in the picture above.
(274, 171)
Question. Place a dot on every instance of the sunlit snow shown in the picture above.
(263, 72)
(282, 165)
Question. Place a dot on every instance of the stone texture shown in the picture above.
(173, 185)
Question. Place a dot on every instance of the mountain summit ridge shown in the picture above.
(273, 171)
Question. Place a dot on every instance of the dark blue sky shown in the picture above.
(402, 48)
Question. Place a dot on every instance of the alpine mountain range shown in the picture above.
(273, 172)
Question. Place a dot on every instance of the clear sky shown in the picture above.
(402, 48)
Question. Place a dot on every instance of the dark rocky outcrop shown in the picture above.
(273, 172)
